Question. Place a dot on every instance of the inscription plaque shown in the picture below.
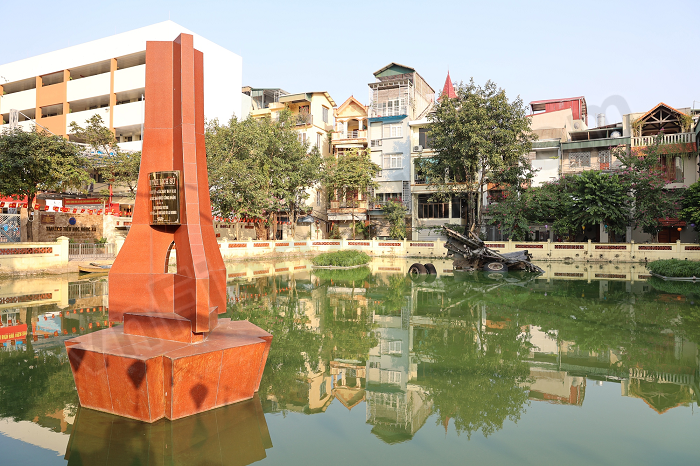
(165, 197)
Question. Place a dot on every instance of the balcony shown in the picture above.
(379, 205)
(353, 136)
(303, 119)
(378, 111)
(131, 146)
(128, 114)
(347, 207)
(18, 100)
(26, 125)
(85, 88)
(130, 78)
(80, 118)
(678, 138)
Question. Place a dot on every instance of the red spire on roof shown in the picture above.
(449, 89)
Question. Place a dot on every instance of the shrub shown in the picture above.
(675, 268)
(347, 258)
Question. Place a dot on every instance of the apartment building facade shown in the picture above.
(566, 145)
(349, 134)
(106, 77)
(313, 119)
(397, 96)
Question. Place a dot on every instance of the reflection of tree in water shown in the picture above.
(294, 349)
(473, 377)
(35, 383)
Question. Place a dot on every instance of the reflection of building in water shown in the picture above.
(670, 380)
(395, 407)
(667, 379)
(234, 435)
(348, 379)
(547, 382)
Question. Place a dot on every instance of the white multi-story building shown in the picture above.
(107, 77)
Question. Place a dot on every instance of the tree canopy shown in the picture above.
(120, 168)
(260, 167)
(35, 161)
(473, 136)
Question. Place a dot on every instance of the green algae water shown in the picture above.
(369, 366)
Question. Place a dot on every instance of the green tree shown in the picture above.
(258, 168)
(119, 167)
(349, 175)
(395, 212)
(596, 197)
(652, 201)
(34, 161)
(690, 206)
(474, 135)
(511, 211)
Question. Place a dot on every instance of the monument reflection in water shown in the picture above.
(234, 435)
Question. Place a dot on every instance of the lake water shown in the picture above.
(370, 367)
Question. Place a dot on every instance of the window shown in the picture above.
(579, 159)
(318, 198)
(302, 137)
(391, 347)
(375, 365)
(604, 159)
(393, 376)
(325, 114)
(323, 391)
(392, 161)
(673, 168)
(394, 130)
(318, 140)
(423, 138)
(432, 209)
(391, 108)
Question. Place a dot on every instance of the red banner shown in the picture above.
(15, 332)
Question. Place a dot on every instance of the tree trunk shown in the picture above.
(30, 223)
(30, 226)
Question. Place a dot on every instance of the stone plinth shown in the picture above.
(150, 378)
(172, 357)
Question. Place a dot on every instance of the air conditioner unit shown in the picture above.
(417, 148)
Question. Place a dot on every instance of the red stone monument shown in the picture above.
(173, 356)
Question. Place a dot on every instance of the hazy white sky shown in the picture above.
(623, 55)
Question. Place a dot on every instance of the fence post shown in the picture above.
(63, 249)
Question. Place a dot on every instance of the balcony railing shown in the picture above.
(356, 205)
(678, 138)
(303, 119)
(379, 205)
(377, 111)
(579, 167)
(353, 134)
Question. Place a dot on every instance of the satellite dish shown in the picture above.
(615, 134)
(577, 125)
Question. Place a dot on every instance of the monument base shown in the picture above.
(148, 378)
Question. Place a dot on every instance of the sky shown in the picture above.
(621, 55)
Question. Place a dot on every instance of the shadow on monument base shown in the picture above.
(234, 435)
